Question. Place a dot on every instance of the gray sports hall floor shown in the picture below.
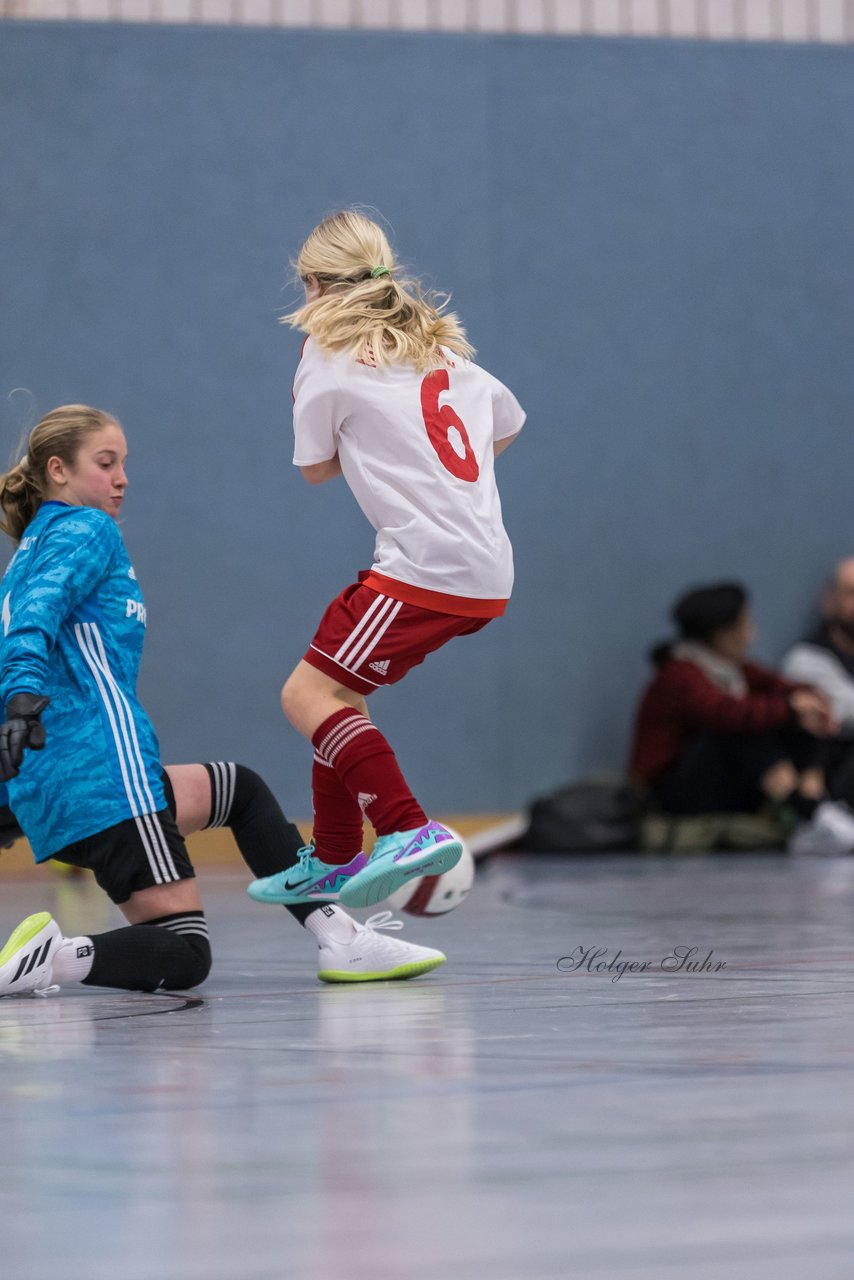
(500, 1118)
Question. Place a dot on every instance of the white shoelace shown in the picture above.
(305, 855)
(382, 920)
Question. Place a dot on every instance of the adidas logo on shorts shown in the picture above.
(381, 666)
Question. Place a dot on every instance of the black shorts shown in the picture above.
(135, 854)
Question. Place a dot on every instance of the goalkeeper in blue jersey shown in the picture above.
(80, 758)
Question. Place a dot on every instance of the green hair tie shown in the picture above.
(379, 271)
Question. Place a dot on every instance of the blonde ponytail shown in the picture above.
(59, 435)
(20, 499)
(365, 311)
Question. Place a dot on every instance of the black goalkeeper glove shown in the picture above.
(22, 729)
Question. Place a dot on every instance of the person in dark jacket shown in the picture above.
(717, 733)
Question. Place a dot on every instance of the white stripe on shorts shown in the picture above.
(153, 840)
(381, 602)
(363, 678)
(368, 642)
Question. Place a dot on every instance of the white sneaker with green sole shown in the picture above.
(371, 956)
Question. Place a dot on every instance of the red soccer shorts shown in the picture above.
(366, 640)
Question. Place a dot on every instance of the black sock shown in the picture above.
(172, 951)
(241, 800)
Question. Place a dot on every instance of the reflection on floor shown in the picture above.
(629, 1067)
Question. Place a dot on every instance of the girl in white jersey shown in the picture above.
(387, 395)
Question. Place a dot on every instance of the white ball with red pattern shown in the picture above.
(435, 895)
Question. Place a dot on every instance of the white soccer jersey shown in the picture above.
(416, 450)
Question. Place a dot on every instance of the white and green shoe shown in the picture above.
(370, 956)
(26, 961)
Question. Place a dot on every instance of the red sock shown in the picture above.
(366, 764)
(338, 822)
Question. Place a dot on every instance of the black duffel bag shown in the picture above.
(587, 817)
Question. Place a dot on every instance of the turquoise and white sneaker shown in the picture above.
(403, 856)
(309, 880)
(370, 956)
(26, 961)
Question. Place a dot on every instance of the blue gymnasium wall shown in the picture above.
(651, 243)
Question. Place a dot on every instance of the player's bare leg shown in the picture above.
(369, 781)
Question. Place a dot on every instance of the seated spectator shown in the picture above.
(716, 733)
(826, 661)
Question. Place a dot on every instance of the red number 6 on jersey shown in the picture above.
(438, 419)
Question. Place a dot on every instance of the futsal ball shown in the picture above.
(434, 895)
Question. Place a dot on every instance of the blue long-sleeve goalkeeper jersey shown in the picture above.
(72, 624)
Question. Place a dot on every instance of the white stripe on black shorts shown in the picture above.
(133, 855)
